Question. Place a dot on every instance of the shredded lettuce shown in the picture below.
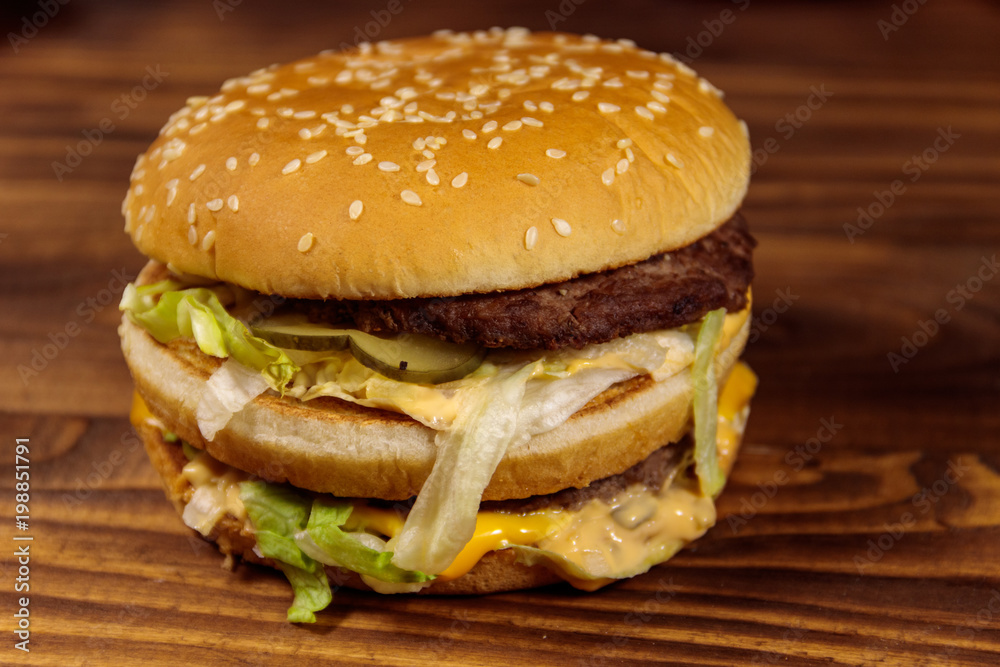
(196, 312)
(278, 513)
(443, 518)
(706, 394)
(345, 550)
(230, 388)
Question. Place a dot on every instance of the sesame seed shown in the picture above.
(354, 150)
(208, 241)
(580, 95)
(355, 209)
(192, 234)
(460, 180)
(660, 84)
(637, 75)
(513, 125)
(618, 226)
(547, 107)
(624, 143)
(138, 233)
(744, 129)
(428, 154)
(562, 227)
(656, 106)
(304, 115)
(139, 189)
(660, 97)
(613, 83)
(306, 242)
(410, 197)
(608, 176)
(425, 165)
(644, 112)
(622, 166)
(214, 205)
(706, 131)
(233, 203)
(489, 126)
(530, 106)
(530, 238)
(171, 195)
(388, 166)
(607, 107)
(532, 122)
(254, 159)
(198, 171)
(555, 153)
(150, 213)
(305, 133)
(364, 158)
(419, 144)
(629, 155)
(432, 177)
(468, 134)
(231, 164)
(530, 179)
(192, 213)
(291, 166)
(494, 142)
(479, 89)
(674, 160)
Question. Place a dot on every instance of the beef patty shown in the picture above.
(662, 292)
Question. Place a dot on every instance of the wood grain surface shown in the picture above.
(864, 513)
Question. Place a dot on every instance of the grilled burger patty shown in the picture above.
(662, 292)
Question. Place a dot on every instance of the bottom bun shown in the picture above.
(497, 571)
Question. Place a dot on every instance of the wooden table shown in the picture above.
(864, 512)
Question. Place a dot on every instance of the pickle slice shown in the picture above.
(416, 358)
(296, 332)
(404, 357)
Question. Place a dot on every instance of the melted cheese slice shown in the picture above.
(608, 540)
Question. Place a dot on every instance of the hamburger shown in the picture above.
(454, 314)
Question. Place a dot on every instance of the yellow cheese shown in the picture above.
(140, 414)
(599, 538)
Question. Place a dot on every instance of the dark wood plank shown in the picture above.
(877, 545)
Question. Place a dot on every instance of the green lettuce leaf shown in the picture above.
(312, 593)
(324, 529)
(278, 513)
(196, 312)
(706, 395)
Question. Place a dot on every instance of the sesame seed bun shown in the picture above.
(560, 155)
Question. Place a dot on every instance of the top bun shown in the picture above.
(440, 165)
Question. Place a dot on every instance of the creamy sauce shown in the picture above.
(608, 540)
